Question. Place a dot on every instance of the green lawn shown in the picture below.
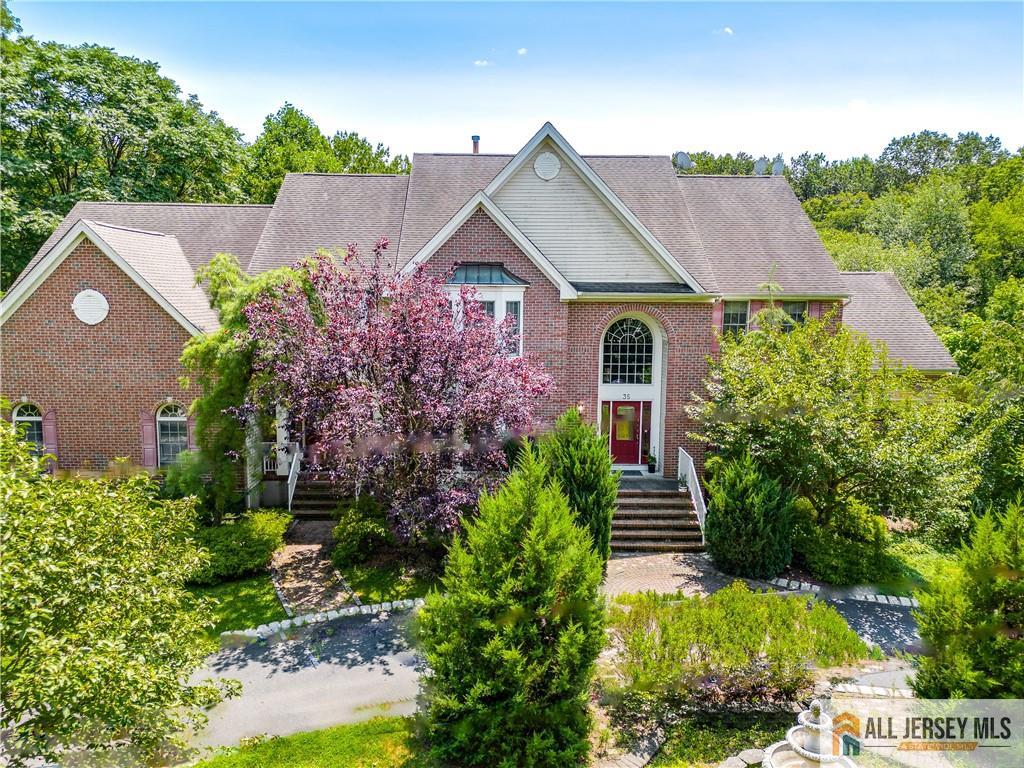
(242, 604)
(697, 742)
(384, 742)
(383, 580)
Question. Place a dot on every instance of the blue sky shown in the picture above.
(842, 78)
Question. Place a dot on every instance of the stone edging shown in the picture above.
(641, 755)
(748, 757)
(264, 631)
(873, 690)
(854, 594)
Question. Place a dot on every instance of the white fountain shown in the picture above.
(808, 744)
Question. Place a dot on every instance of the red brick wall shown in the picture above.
(567, 337)
(98, 378)
(688, 334)
(480, 240)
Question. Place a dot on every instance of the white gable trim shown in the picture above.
(56, 256)
(481, 201)
(596, 183)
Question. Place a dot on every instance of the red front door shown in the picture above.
(625, 437)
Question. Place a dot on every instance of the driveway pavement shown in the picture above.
(343, 671)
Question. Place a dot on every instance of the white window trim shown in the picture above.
(499, 294)
(160, 417)
(18, 418)
(746, 325)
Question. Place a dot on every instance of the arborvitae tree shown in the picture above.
(578, 458)
(511, 637)
(971, 618)
(749, 527)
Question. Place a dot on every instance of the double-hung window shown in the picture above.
(29, 420)
(735, 317)
(498, 290)
(797, 311)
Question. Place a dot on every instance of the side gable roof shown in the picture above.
(747, 224)
(203, 230)
(329, 211)
(153, 260)
(880, 309)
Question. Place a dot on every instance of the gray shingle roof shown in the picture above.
(202, 230)
(439, 186)
(748, 223)
(329, 211)
(160, 261)
(880, 309)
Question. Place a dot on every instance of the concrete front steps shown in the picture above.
(662, 520)
(314, 499)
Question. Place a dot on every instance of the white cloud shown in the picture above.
(727, 31)
(481, 63)
(521, 51)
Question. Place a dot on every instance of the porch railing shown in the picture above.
(293, 473)
(269, 451)
(687, 475)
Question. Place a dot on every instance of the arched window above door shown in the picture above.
(627, 353)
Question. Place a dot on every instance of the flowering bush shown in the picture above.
(403, 392)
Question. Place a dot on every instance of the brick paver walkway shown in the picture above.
(689, 572)
(304, 573)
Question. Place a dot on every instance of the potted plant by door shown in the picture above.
(652, 463)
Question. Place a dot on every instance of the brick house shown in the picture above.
(621, 275)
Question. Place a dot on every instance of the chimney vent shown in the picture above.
(476, 145)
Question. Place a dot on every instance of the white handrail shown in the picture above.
(687, 472)
(293, 472)
(269, 457)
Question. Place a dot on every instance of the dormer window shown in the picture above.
(500, 292)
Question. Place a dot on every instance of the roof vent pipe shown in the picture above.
(476, 145)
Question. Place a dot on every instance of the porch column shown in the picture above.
(283, 441)
(253, 463)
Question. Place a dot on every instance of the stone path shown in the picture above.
(303, 573)
(691, 573)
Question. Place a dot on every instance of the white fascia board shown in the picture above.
(780, 297)
(639, 298)
(481, 201)
(548, 132)
(60, 251)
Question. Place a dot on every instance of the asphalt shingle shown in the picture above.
(881, 310)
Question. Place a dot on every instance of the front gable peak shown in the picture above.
(557, 199)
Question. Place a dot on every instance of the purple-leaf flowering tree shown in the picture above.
(403, 392)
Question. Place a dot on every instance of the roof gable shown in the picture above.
(480, 201)
(202, 230)
(153, 260)
(574, 226)
(549, 139)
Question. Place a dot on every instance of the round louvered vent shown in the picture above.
(547, 166)
(90, 307)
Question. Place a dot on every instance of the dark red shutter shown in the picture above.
(50, 436)
(192, 443)
(717, 319)
(148, 428)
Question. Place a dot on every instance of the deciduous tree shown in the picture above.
(100, 636)
(401, 392)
